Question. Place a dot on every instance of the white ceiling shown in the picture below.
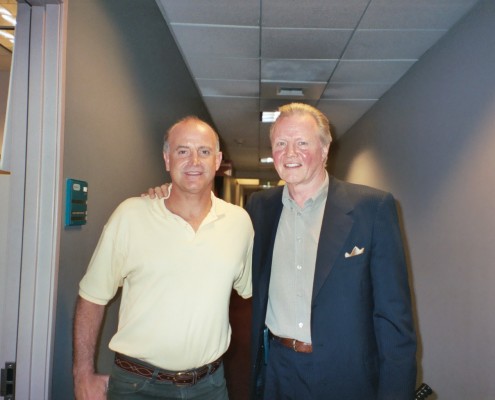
(343, 54)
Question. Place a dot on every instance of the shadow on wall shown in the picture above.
(148, 45)
(419, 351)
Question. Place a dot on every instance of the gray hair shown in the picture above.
(305, 109)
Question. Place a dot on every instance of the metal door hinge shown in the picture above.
(7, 385)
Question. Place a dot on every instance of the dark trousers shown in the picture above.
(288, 374)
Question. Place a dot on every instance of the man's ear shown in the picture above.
(325, 150)
(166, 158)
(218, 160)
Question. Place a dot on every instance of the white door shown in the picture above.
(33, 157)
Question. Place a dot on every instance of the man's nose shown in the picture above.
(194, 158)
(290, 149)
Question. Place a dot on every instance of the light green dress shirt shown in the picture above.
(293, 266)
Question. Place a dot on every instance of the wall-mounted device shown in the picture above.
(76, 202)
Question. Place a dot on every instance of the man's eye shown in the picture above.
(205, 152)
(280, 144)
(182, 152)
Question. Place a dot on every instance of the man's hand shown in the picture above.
(91, 386)
(162, 192)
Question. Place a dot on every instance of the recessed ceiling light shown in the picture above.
(269, 116)
(266, 160)
(298, 92)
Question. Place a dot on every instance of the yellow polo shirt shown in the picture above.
(176, 283)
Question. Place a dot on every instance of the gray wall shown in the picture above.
(124, 87)
(430, 141)
(4, 91)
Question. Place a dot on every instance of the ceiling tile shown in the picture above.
(215, 40)
(297, 70)
(312, 13)
(230, 12)
(208, 67)
(417, 14)
(370, 71)
(368, 91)
(235, 117)
(303, 43)
(391, 44)
(223, 87)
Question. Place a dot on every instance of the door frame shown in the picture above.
(34, 125)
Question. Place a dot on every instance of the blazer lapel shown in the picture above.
(272, 211)
(336, 226)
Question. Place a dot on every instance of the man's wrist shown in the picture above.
(81, 372)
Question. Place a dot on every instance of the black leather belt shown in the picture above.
(189, 377)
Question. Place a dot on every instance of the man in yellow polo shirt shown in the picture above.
(176, 260)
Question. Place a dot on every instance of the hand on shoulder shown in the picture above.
(162, 192)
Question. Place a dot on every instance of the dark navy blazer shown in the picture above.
(362, 330)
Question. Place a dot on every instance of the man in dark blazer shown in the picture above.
(329, 279)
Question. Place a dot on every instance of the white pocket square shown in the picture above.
(355, 252)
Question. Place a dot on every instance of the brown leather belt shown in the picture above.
(189, 377)
(296, 345)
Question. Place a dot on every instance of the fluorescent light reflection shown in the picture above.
(7, 35)
(9, 18)
(269, 116)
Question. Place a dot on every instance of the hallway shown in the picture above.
(237, 357)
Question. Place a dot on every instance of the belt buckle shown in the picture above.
(294, 345)
(185, 375)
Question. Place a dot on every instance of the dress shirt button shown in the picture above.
(300, 324)
(299, 267)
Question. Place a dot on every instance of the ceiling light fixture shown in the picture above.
(295, 92)
(266, 160)
(269, 116)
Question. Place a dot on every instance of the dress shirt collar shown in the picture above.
(318, 198)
